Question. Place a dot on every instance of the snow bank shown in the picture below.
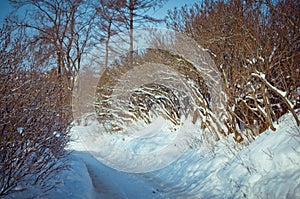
(268, 168)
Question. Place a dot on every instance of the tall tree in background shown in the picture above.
(59, 32)
(110, 21)
(134, 14)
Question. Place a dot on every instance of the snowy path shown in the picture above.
(101, 184)
(109, 183)
(268, 168)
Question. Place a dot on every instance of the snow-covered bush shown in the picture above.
(34, 118)
(176, 89)
(33, 130)
(255, 46)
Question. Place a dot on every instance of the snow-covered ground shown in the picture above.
(268, 168)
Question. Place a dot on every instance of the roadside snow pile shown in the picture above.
(268, 168)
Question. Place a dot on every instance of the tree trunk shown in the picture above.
(131, 9)
(107, 43)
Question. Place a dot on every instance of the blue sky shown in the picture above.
(4, 9)
(171, 4)
(161, 12)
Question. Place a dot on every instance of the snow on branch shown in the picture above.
(280, 93)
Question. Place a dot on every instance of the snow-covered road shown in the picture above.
(268, 168)
(110, 183)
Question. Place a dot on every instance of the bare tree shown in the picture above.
(110, 21)
(135, 15)
(60, 30)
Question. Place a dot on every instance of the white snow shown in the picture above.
(263, 77)
(20, 130)
(267, 168)
(252, 61)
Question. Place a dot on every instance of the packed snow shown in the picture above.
(267, 168)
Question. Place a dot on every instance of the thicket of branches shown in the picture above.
(35, 114)
(255, 44)
(176, 89)
(33, 130)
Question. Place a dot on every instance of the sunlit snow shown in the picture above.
(267, 168)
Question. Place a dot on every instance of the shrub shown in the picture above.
(33, 129)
